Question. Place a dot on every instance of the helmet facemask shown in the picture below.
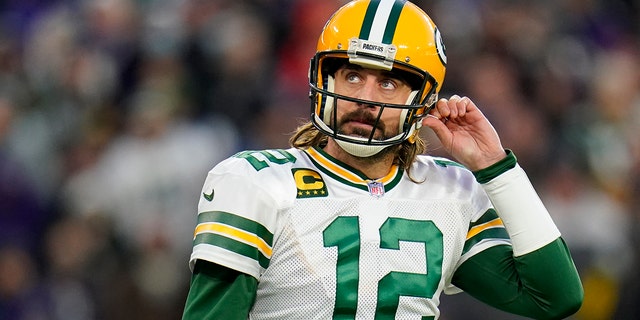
(324, 104)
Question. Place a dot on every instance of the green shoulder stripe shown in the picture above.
(236, 221)
(489, 215)
(232, 245)
(234, 233)
(488, 226)
(490, 233)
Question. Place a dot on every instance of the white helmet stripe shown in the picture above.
(380, 21)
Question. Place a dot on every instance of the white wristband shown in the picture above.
(525, 217)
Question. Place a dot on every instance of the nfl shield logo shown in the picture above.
(376, 189)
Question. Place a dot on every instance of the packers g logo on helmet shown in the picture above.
(442, 51)
(391, 35)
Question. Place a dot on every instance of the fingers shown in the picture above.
(452, 108)
(450, 113)
(439, 127)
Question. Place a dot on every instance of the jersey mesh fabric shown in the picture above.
(301, 277)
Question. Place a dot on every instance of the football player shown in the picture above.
(354, 221)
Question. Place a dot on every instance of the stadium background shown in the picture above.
(112, 112)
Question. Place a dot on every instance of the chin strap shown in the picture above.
(359, 150)
(329, 101)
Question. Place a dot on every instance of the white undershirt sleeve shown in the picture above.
(524, 215)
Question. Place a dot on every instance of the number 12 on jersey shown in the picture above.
(344, 233)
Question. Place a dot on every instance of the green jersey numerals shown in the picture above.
(344, 233)
(277, 156)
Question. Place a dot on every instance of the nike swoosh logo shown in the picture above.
(209, 196)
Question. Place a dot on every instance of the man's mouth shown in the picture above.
(361, 123)
(359, 127)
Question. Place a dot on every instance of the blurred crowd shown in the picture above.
(112, 112)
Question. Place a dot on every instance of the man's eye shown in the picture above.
(388, 84)
(353, 77)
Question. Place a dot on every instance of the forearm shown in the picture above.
(543, 284)
(214, 289)
(534, 277)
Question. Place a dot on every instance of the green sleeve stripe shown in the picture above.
(237, 222)
(238, 247)
(491, 233)
(487, 174)
(489, 215)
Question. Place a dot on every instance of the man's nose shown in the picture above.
(368, 92)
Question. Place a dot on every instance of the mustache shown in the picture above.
(363, 116)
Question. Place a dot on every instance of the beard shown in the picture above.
(361, 115)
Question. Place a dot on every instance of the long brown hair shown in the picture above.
(307, 135)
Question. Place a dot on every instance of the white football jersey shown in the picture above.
(326, 242)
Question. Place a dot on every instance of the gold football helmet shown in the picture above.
(393, 35)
